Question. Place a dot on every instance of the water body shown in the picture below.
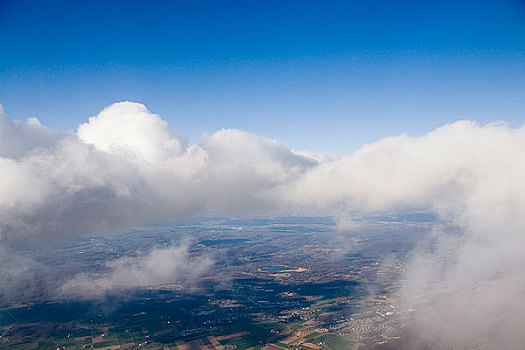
(277, 268)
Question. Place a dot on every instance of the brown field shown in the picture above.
(233, 335)
(215, 343)
(111, 347)
(101, 338)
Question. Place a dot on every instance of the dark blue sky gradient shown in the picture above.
(323, 75)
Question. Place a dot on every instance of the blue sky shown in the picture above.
(319, 75)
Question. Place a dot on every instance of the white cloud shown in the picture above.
(17, 138)
(72, 187)
(246, 172)
(130, 129)
(126, 166)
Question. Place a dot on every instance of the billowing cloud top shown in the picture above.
(130, 129)
(126, 165)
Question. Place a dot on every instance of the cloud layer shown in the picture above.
(126, 166)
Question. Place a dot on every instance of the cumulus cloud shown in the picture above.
(159, 266)
(248, 171)
(131, 130)
(126, 165)
(87, 182)
(17, 138)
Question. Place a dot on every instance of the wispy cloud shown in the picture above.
(168, 265)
